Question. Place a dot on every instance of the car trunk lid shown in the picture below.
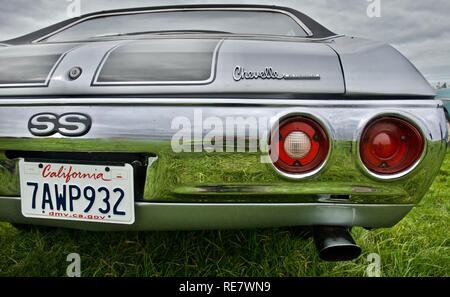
(175, 65)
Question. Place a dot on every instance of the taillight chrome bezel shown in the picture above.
(411, 119)
(325, 126)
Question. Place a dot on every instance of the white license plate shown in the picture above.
(77, 192)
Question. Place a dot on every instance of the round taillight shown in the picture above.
(390, 145)
(299, 145)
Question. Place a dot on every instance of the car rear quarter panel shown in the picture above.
(374, 68)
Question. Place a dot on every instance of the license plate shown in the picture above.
(77, 192)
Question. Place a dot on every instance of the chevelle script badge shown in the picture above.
(240, 73)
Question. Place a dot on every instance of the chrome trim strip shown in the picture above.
(144, 83)
(198, 216)
(207, 101)
(308, 32)
(258, 37)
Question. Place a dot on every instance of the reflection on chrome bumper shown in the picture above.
(242, 178)
(195, 216)
(143, 127)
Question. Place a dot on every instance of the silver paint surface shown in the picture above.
(374, 68)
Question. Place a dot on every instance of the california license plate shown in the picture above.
(77, 192)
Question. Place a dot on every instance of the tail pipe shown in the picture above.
(335, 243)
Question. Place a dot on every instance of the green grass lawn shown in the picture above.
(417, 246)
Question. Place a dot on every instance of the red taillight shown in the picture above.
(299, 146)
(390, 145)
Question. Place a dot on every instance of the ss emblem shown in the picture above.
(68, 124)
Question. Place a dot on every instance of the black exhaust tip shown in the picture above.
(335, 244)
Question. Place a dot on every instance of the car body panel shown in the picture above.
(285, 57)
(366, 66)
(374, 68)
(252, 81)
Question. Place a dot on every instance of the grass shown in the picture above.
(418, 246)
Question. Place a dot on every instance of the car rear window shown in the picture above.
(236, 22)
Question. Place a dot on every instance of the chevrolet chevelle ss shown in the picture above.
(213, 117)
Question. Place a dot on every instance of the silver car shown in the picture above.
(209, 117)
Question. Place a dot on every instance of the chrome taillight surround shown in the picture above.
(327, 132)
(409, 118)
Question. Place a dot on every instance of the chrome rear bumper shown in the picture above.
(202, 216)
(230, 189)
(144, 126)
